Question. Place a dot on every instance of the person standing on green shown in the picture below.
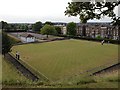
(18, 55)
(102, 42)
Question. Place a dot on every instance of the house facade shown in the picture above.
(94, 30)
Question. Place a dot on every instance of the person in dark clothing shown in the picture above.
(16, 54)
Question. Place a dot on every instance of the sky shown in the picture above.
(30, 11)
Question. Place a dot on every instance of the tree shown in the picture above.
(26, 27)
(5, 26)
(23, 27)
(48, 30)
(71, 28)
(48, 23)
(89, 10)
(58, 29)
(37, 26)
(6, 43)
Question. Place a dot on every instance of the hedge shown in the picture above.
(91, 39)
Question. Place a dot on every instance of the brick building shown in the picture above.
(93, 30)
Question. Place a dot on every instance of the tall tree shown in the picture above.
(26, 27)
(58, 29)
(5, 26)
(37, 26)
(92, 10)
(48, 30)
(48, 23)
(71, 28)
(6, 43)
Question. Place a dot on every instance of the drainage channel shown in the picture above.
(25, 71)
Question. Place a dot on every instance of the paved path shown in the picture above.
(26, 72)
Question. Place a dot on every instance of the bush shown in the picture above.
(99, 37)
(86, 81)
(16, 31)
(12, 82)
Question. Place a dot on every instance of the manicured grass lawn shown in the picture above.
(10, 76)
(107, 80)
(63, 59)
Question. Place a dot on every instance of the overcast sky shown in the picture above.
(30, 11)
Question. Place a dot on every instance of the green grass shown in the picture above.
(59, 60)
(13, 39)
(10, 75)
(107, 80)
(11, 78)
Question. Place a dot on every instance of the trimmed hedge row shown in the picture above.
(15, 31)
(91, 39)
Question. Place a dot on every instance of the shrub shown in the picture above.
(99, 37)
(86, 81)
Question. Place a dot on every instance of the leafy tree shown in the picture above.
(13, 27)
(71, 28)
(58, 29)
(26, 27)
(37, 26)
(48, 22)
(89, 10)
(97, 10)
(23, 27)
(5, 26)
(6, 43)
(48, 30)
